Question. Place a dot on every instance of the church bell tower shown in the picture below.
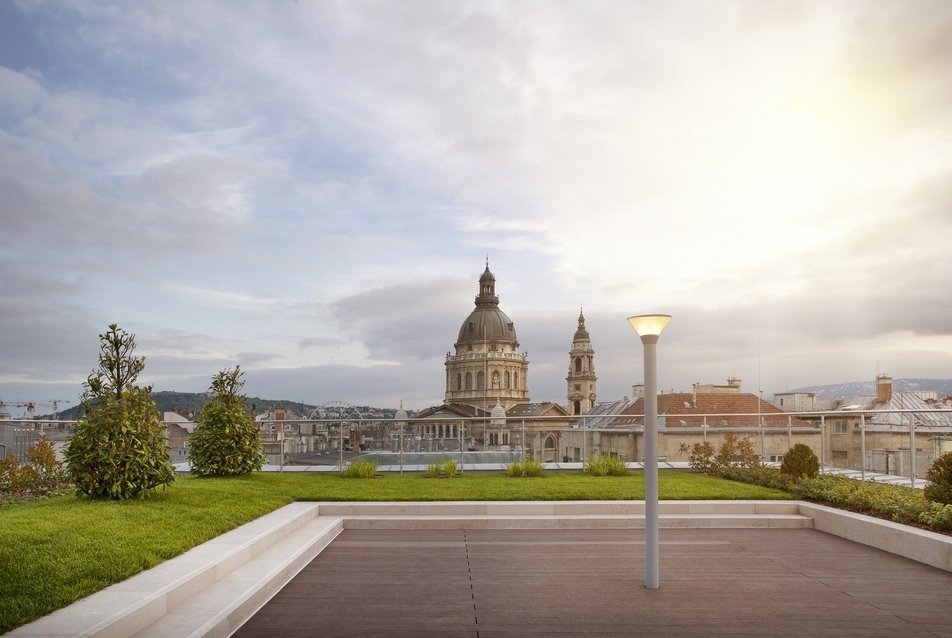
(581, 379)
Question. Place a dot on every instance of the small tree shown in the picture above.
(800, 462)
(119, 448)
(226, 441)
(700, 456)
(939, 476)
(736, 451)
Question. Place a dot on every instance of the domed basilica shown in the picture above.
(488, 378)
(487, 349)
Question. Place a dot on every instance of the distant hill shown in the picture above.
(859, 388)
(167, 401)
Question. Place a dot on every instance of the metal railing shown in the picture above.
(316, 441)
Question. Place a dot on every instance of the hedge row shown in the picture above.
(895, 502)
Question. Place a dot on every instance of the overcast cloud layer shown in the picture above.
(310, 190)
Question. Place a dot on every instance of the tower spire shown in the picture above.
(581, 379)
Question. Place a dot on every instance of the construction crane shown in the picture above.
(31, 406)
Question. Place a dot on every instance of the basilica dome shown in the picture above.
(487, 323)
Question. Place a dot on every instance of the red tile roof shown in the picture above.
(682, 408)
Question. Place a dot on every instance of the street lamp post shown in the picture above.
(649, 328)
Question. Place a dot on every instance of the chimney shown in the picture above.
(638, 391)
(883, 388)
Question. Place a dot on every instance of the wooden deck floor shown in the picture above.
(492, 583)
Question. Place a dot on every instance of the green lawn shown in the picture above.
(55, 551)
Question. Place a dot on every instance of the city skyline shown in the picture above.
(311, 190)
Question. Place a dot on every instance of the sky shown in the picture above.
(310, 190)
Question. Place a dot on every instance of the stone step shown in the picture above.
(584, 521)
(556, 508)
(225, 605)
(125, 608)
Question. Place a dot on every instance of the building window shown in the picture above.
(515, 380)
(480, 381)
(578, 364)
(506, 380)
(578, 407)
(459, 381)
(549, 443)
(469, 380)
(839, 427)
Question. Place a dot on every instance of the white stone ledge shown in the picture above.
(918, 544)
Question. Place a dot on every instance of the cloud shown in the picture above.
(379, 386)
(403, 322)
(252, 358)
(317, 342)
(313, 184)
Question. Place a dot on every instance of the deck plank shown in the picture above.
(564, 583)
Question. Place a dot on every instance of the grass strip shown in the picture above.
(56, 551)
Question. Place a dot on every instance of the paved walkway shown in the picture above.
(492, 583)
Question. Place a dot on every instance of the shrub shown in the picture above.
(895, 502)
(736, 451)
(759, 475)
(361, 468)
(939, 476)
(700, 456)
(119, 448)
(449, 468)
(606, 466)
(432, 470)
(800, 462)
(528, 468)
(532, 468)
(226, 440)
(42, 474)
(514, 469)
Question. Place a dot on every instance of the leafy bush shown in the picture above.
(361, 468)
(606, 466)
(896, 502)
(939, 476)
(760, 475)
(226, 440)
(736, 451)
(119, 448)
(700, 456)
(800, 462)
(41, 475)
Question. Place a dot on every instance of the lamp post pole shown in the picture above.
(649, 328)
